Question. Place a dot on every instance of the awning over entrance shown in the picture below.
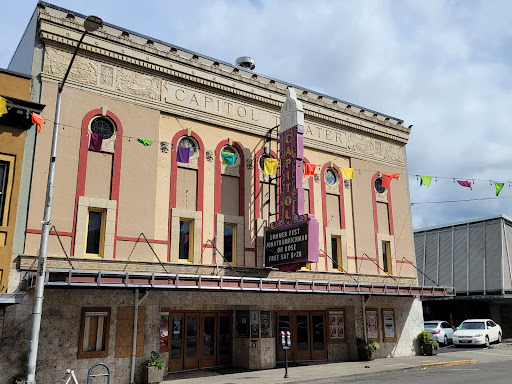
(74, 278)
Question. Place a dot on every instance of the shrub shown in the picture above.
(424, 337)
(366, 349)
(155, 361)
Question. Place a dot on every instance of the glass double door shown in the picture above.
(200, 339)
(308, 335)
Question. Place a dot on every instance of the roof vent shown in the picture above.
(245, 62)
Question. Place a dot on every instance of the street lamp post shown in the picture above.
(91, 24)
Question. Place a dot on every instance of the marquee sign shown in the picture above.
(292, 241)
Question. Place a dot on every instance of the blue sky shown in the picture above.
(443, 66)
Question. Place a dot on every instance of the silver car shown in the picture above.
(440, 330)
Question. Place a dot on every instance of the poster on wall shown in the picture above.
(388, 320)
(372, 324)
(266, 326)
(255, 324)
(164, 329)
(337, 325)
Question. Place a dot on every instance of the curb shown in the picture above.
(447, 363)
(379, 372)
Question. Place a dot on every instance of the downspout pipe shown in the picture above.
(364, 301)
(134, 340)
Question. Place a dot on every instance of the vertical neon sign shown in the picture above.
(291, 241)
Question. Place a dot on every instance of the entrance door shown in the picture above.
(191, 355)
(176, 336)
(318, 344)
(208, 343)
(308, 335)
(302, 349)
(224, 345)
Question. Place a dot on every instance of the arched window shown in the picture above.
(230, 202)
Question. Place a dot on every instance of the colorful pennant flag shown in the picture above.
(95, 142)
(386, 179)
(309, 169)
(145, 142)
(183, 155)
(37, 120)
(348, 173)
(270, 167)
(425, 180)
(228, 158)
(499, 187)
(3, 106)
(465, 183)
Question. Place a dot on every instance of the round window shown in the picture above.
(378, 185)
(102, 126)
(187, 142)
(262, 160)
(331, 176)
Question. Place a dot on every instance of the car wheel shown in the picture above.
(499, 338)
(445, 342)
(486, 341)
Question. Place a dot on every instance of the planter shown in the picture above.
(152, 375)
(430, 349)
(365, 355)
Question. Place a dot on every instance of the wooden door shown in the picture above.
(191, 341)
(301, 336)
(176, 333)
(283, 323)
(207, 345)
(224, 339)
(318, 336)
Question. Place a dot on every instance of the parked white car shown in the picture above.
(477, 332)
(440, 330)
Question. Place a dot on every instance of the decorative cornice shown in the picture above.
(182, 64)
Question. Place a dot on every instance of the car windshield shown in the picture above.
(430, 325)
(472, 325)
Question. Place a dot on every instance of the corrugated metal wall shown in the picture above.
(473, 257)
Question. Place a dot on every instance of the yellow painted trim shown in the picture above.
(102, 232)
(388, 256)
(8, 191)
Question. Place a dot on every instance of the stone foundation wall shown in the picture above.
(60, 327)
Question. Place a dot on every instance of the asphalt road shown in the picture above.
(493, 366)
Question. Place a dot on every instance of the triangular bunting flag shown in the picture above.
(386, 179)
(145, 142)
(425, 180)
(270, 167)
(183, 155)
(228, 158)
(348, 173)
(38, 120)
(95, 142)
(3, 106)
(465, 183)
(499, 187)
(309, 169)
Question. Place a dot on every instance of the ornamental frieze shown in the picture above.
(168, 95)
(83, 70)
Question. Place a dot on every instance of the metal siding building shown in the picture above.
(474, 258)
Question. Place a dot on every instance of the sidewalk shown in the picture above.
(312, 371)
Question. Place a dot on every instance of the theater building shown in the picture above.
(165, 216)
